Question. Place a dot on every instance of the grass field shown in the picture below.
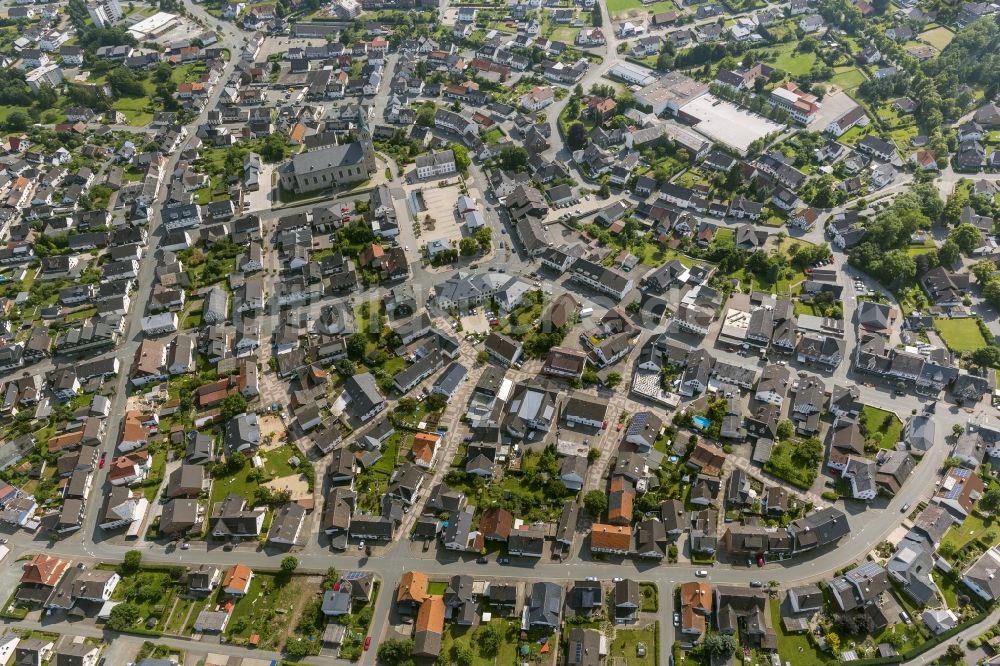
(879, 427)
(960, 334)
(794, 64)
(635, 7)
(848, 78)
(794, 648)
(624, 649)
(506, 654)
(275, 466)
(938, 37)
(973, 528)
(564, 34)
(917, 250)
(135, 110)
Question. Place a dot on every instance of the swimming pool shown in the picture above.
(701, 422)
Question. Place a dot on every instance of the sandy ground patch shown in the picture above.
(271, 425)
(296, 485)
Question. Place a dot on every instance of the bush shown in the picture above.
(130, 563)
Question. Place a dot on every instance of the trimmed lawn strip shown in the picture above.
(794, 648)
(890, 433)
(960, 334)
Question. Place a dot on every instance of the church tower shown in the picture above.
(365, 139)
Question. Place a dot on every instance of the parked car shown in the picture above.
(701, 573)
(756, 583)
(677, 619)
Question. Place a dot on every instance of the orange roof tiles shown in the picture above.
(44, 570)
(412, 587)
(237, 577)
(430, 617)
(424, 445)
(610, 537)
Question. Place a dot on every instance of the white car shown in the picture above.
(701, 573)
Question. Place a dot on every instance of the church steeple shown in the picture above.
(365, 139)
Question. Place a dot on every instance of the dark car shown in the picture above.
(481, 560)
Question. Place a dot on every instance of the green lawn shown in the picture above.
(564, 34)
(135, 588)
(960, 334)
(621, 7)
(885, 425)
(507, 654)
(848, 78)
(795, 64)
(178, 618)
(794, 648)
(974, 527)
(136, 110)
(784, 467)
(624, 648)
(938, 37)
(917, 250)
(275, 465)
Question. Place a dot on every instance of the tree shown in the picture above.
(957, 430)
(513, 158)
(949, 253)
(576, 136)
(983, 270)
(17, 121)
(330, 578)
(468, 246)
(593, 455)
(489, 640)
(124, 616)
(297, 648)
(425, 114)
(273, 149)
(130, 563)
(395, 651)
(718, 645)
(613, 380)
(986, 357)
(484, 236)
(482, 357)
(462, 654)
(808, 452)
(289, 564)
(462, 160)
(233, 405)
(596, 503)
(356, 345)
(966, 236)
(991, 498)
(785, 429)
(955, 653)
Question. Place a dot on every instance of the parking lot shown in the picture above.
(439, 205)
(476, 322)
